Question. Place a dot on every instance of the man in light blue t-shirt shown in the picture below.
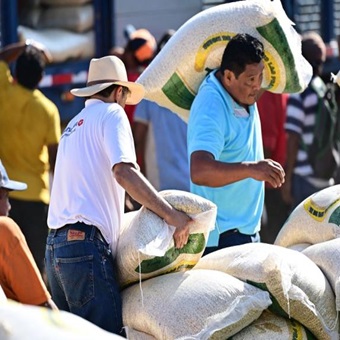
(225, 145)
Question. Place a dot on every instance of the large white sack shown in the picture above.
(299, 246)
(132, 334)
(298, 287)
(199, 304)
(25, 322)
(62, 44)
(74, 18)
(270, 326)
(174, 76)
(146, 246)
(314, 220)
(64, 2)
(326, 256)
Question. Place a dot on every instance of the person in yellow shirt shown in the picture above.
(29, 135)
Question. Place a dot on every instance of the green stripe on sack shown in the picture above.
(195, 245)
(274, 34)
(177, 92)
(275, 307)
(335, 217)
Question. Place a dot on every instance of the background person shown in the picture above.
(29, 135)
(161, 142)
(20, 278)
(272, 109)
(301, 124)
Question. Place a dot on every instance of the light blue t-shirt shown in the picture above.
(217, 124)
(166, 159)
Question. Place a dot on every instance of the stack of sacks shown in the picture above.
(146, 247)
(25, 322)
(298, 288)
(314, 220)
(326, 256)
(197, 304)
(270, 326)
(174, 76)
(65, 27)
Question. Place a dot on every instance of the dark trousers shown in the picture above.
(232, 238)
(31, 217)
(277, 212)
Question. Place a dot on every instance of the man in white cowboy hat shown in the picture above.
(20, 278)
(96, 164)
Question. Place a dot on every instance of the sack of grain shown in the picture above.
(314, 220)
(199, 304)
(132, 334)
(61, 44)
(298, 287)
(270, 326)
(174, 76)
(26, 322)
(74, 18)
(326, 256)
(299, 246)
(64, 2)
(146, 246)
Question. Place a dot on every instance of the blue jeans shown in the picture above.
(81, 275)
(232, 238)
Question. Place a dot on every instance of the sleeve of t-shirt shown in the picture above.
(23, 281)
(207, 124)
(118, 140)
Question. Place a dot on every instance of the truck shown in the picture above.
(109, 17)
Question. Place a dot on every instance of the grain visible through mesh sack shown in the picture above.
(146, 246)
(298, 287)
(200, 304)
(314, 220)
(174, 76)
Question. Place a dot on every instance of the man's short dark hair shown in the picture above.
(242, 50)
(30, 67)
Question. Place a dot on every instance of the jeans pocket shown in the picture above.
(77, 278)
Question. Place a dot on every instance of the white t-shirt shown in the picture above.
(84, 188)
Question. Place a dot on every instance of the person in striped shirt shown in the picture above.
(301, 181)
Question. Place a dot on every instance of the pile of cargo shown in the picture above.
(289, 290)
(65, 28)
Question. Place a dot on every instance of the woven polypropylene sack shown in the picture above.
(299, 246)
(174, 76)
(25, 322)
(270, 326)
(200, 304)
(74, 18)
(62, 44)
(326, 256)
(132, 334)
(298, 287)
(314, 220)
(64, 2)
(146, 246)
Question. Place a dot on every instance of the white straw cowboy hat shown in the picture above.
(106, 71)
